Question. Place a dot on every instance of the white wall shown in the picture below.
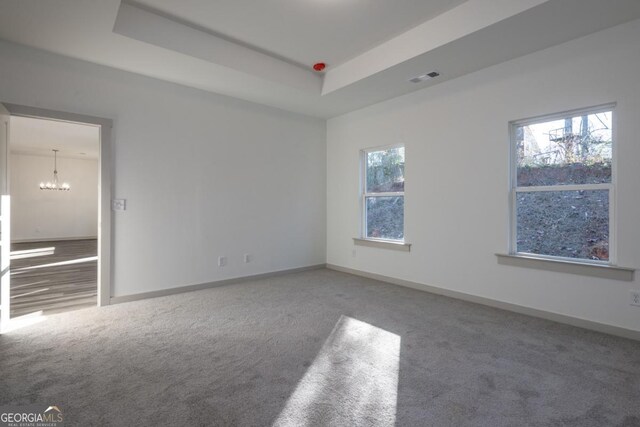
(38, 214)
(456, 137)
(204, 175)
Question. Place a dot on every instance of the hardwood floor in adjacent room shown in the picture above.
(53, 276)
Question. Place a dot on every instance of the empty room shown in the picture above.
(320, 213)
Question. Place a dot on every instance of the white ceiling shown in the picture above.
(305, 31)
(40, 137)
(255, 50)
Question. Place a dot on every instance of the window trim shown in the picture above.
(364, 194)
(383, 243)
(567, 265)
(611, 187)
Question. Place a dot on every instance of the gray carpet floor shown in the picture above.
(318, 348)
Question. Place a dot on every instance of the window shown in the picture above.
(562, 186)
(383, 193)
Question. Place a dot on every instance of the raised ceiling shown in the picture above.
(305, 31)
(259, 50)
(39, 137)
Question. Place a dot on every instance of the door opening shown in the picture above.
(55, 213)
(53, 178)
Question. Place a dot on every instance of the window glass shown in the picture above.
(385, 170)
(385, 217)
(383, 193)
(574, 150)
(571, 224)
(551, 218)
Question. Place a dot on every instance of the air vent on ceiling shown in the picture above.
(424, 77)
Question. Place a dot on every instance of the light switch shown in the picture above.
(119, 204)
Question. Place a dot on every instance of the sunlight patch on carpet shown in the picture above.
(22, 322)
(352, 381)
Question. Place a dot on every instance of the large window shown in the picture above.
(383, 193)
(562, 186)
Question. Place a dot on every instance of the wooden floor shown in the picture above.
(53, 276)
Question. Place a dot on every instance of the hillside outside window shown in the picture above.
(563, 187)
(383, 193)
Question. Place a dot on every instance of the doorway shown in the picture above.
(53, 178)
(55, 213)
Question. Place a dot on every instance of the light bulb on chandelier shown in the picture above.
(54, 185)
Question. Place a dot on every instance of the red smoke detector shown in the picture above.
(320, 66)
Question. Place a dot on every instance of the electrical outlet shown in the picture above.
(635, 297)
(247, 258)
(119, 204)
(353, 253)
(222, 261)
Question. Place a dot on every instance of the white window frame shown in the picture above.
(364, 194)
(514, 189)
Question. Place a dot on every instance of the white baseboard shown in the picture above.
(548, 315)
(191, 288)
(53, 239)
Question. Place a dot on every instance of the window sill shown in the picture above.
(605, 271)
(384, 244)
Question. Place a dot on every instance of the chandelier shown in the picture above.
(54, 185)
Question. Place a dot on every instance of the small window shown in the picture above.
(562, 186)
(383, 193)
